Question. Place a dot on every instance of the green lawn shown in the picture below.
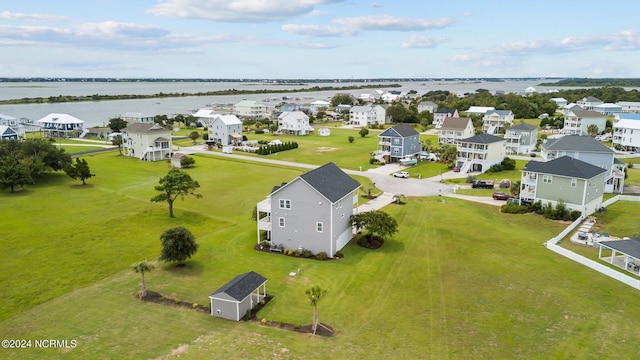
(460, 280)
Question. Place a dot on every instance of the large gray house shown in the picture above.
(398, 142)
(521, 139)
(578, 184)
(591, 151)
(311, 212)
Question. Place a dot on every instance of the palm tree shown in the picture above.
(315, 294)
(142, 267)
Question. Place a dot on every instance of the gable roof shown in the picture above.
(576, 143)
(590, 99)
(294, 115)
(483, 139)
(445, 111)
(144, 128)
(587, 114)
(7, 131)
(455, 123)
(565, 166)
(60, 119)
(523, 127)
(205, 113)
(330, 181)
(499, 112)
(228, 119)
(627, 124)
(249, 103)
(402, 130)
(242, 285)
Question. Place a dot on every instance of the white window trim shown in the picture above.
(281, 222)
(319, 227)
(547, 179)
(574, 183)
(285, 204)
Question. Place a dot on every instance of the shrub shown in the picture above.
(263, 321)
(372, 160)
(307, 253)
(495, 168)
(470, 179)
(295, 253)
(575, 214)
(514, 209)
(321, 255)
(161, 298)
(339, 254)
(195, 305)
(351, 139)
(247, 315)
(533, 155)
(508, 164)
(177, 301)
(259, 131)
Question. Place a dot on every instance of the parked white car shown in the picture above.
(401, 174)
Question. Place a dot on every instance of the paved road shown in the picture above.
(380, 176)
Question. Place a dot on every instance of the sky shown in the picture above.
(319, 39)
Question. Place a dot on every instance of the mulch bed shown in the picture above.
(158, 298)
(322, 330)
(372, 244)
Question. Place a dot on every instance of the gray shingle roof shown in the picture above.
(587, 114)
(483, 139)
(330, 181)
(144, 128)
(445, 111)
(455, 123)
(576, 143)
(242, 285)
(524, 127)
(630, 247)
(565, 166)
(402, 130)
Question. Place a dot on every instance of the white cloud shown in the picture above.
(238, 10)
(393, 23)
(318, 30)
(6, 15)
(376, 5)
(419, 41)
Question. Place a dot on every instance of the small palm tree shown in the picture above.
(315, 294)
(142, 267)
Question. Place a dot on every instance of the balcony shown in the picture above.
(264, 223)
(264, 206)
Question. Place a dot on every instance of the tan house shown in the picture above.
(454, 129)
(148, 142)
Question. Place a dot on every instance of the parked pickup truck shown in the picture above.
(482, 184)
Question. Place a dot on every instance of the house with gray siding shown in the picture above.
(147, 142)
(454, 129)
(578, 184)
(311, 212)
(398, 142)
(521, 139)
(591, 151)
(442, 113)
(7, 133)
(225, 130)
(241, 294)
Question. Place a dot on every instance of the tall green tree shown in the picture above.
(79, 170)
(448, 154)
(175, 184)
(363, 132)
(194, 135)
(375, 222)
(592, 130)
(141, 268)
(178, 245)
(117, 124)
(117, 141)
(13, 173)
(344, 99)
(315, 293)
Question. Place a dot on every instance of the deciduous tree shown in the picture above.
(79, 170)
(194, 136)
(178, 244)
(117, 124)
(375, 222)
(12, 173)
(175, 184)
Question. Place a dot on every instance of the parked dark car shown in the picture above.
(482, 184)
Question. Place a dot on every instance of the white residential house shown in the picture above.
(7, 133)
(589, 150)
(521, 139)
(497, 121)
(14, 123)
(454, 129)
(132, 117)
(205, 116)
(626, 135)
(148, 142)
(608, 109)
(225, 129)
(570, 107)
(440, 114)
(294, 123)
(250, 109)
(530, 90)
(478, 110)
(578, 184)
(626, 116)
(368, 98)
(368, 114)
(61, 125)
(392, 96)
(560, 102)
(478, 153)
(429, 106)
(311, 212)
(589, 102)
(318, 105)
(576, 122)
(629, 106)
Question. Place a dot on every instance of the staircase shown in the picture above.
(491, 130)
(84, 133)
(465, 167)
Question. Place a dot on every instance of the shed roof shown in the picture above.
(565, 166)
(242, 285)
(630, 247)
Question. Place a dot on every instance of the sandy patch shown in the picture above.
(326, 149)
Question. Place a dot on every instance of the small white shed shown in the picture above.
(235, 298)
(176, 160)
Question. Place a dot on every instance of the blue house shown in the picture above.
(398, 142)
(7, 133)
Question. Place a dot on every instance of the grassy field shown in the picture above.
(460, 280)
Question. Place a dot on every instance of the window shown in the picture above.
(396, 141)
(281, 222)
(285, 204)
(574, 183)
(547, 179)
(319, 227)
